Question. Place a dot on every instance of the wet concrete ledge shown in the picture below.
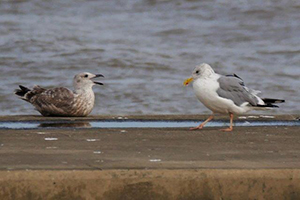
(150, 184)
(157, 163)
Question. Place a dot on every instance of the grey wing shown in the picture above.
(232, 87)
(55, 101)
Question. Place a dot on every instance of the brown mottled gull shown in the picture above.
(61, 101)
(225, 94)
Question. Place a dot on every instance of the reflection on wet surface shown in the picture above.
(138, 124)
(65, 125)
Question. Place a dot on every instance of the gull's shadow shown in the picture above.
(65, 125)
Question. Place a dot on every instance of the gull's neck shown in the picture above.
(84, 90)
(85, 97)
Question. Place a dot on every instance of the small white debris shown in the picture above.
(1, 145)
(97, 152)
(64, 162)
(41, 133)
(119, 117)
(155, 160)
(242, 117)
(91, 140)
(51, 147)
(51, 139)
(253, 117)
(267, 116)
(123, 131)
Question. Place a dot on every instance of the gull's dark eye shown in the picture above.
(197, 72)
(85, 76)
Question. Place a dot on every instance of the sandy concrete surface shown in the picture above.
(244, 148)
(165, 163)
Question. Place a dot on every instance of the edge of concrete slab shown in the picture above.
(151, 184)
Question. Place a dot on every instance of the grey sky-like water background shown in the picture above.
(147, 48)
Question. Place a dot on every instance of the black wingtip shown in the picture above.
(18, 92)
(270, 101)
(280, 101)
(22, 91)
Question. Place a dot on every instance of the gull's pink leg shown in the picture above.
(231, 122)
(202, 124)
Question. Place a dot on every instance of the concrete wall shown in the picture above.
(150, 184)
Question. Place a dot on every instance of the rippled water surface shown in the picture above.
(146, 48)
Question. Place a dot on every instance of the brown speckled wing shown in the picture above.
(54, 102)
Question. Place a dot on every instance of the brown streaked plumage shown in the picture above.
(61, 101)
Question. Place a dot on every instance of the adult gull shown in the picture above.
(225, 94)
(61, 101)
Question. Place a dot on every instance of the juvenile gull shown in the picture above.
(225, 94)
(61, 101)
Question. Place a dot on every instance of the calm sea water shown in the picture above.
(146, 48)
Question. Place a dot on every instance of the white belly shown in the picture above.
(205, 90)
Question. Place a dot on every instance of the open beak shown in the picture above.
(96, 76)
(187, 81)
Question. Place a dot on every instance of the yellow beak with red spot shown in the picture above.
(187, 81)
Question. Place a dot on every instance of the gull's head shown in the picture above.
(85, 80)
(200, 71)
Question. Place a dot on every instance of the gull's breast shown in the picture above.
(205, 90)
(83, 104)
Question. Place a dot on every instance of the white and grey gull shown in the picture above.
(225, 94)
(61, 101)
